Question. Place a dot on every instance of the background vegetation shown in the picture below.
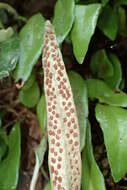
(92, 35)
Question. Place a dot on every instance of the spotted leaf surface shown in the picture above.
(63, 128)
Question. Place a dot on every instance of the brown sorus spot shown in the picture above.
(57, 137)
(49, 109)
(72, 110)
(69, 124)
(50, 132)
(59, 187)
(67, 135)
(58, 78)
(59, 131)
(52, 169)
(62, 67)
(61, 150)
(63, 103)
(75, 126)
(53, 112)
(71, 130)
(70, 141)
(59, 159)
(58, 166)
(55, 121)
(72, 148)
(51, 117)
(47, 81)
(51, 37)
(64, 80)
(52, 150)
(60, 179)
(65, 120)
(56, 172)
(76, 143)
(68, 114)
(55, 66)
(57, 115)
(54, 182)
(55, 153)
(66, 108)
(53, 141)
(59, 86)
(72, 120)
(58, 144)
(55, 126)
(53, 107)
(53, 160)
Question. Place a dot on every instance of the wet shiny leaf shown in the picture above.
(84, 25)
(100, 64)
(63, 18)
(92, 178)
(31, 43)
(79, 90)
(113, 122)
(29, 95)
(98, 89)
(9, 55)
(108, 22)
(9, 167)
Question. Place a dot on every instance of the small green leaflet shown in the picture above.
(9, 167)
(63, 18)
(84, 26)
(100, 65)
(92, 178)
(115, 80)
(42, 113)
(29, 95)
(113, 122)
(5, 34)
(108, 22)
(9, 55)
(97, 89)
(31, 44)
(79, 90)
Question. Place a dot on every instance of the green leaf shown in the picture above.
(63, 18)
(113, 122)
(9, 167)
(104, 2)
(79, 90)
(84, 26)
(3, 143)
(29, 95)
(48, 186)
(100, 65)
(5, 34)
(39, 154)
(98, 89)
(31, 37)
(92, 178)
(121, 2)
(42, 113)
(115, 80)
(9, 54)
(122, 21)
(108, 22)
